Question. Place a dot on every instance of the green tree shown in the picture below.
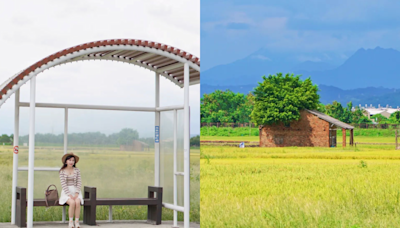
(363, 119)
(380, 119)
(195, 141)
(335, 110)
(126, 136)
(359, 117)
(280, 98)
(224, 107)
(395, 117)
(5, 139)
(321, 107)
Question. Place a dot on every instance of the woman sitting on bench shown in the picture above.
(70, 178)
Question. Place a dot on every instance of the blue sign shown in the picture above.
(157, 134)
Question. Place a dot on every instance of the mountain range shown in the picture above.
(369, 76)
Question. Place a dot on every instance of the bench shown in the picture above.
(154, 204)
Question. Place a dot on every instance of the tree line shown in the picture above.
(278, 98)
(124, 137)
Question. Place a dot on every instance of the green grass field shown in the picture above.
(116, 174)
(300, 187)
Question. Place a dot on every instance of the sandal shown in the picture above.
(71, 224)
(77, 224)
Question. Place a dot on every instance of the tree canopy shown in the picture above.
(281, 98)
(226, 107)
(345, 114)
(6, 139)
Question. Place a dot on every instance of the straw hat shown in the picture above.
(66, 155)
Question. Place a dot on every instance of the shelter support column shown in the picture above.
(175, 224)
(66, 130)
(65, 151)
(344, 137)
(31, 152)
(186, 148)
(351, 137)
(157, 134)
(15, 158)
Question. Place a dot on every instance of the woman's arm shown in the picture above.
(64, 183)
(78, 181)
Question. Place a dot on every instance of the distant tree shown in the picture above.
(281, 98)
(395, 117)
(195, 141)
(363, 119)
(380, 119)
(346, 114)
(224, 107)
(5, 139)
(335, 110)
(126, 136)
(359, 117)
(321, 107)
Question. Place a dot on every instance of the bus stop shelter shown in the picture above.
(180, 67)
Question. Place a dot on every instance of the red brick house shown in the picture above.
(312, 129)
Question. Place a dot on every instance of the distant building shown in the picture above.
(135, 146)
(386, 112)
(312, 129)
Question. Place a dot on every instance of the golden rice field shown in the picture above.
(300, 187)
(116, 174)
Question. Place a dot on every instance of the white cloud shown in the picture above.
(303, 58)
(34, 30)
(274, 23)
(261, 57)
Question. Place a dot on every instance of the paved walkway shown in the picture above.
(105, 224)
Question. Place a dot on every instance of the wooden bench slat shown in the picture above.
(106, 201)
(121, 202)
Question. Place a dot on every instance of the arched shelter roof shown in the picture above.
(166, 60)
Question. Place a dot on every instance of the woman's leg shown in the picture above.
(77, 211)
(71, 209)
(77, 207)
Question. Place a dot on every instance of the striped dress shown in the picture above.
(70, 184)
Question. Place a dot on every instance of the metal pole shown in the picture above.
(64, 213)
(66, 131)
(157, 135)
(110, 219)
(15, 157)
(175, 170)
(31, 153)
(186, 147)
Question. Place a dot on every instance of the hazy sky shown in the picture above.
(31, 31)
(233, 29)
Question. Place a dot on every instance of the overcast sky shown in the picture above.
(233, 29)
(32, 30)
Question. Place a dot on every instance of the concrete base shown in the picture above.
(105, 224)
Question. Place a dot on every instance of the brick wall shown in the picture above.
(308, 131)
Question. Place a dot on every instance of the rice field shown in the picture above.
(116, 174)
(300, 187)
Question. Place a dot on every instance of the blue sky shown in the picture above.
(231, 30)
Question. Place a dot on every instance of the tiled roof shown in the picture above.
(330, 119)
(161, 58)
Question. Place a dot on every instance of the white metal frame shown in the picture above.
(81, 56)
(32, 106)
